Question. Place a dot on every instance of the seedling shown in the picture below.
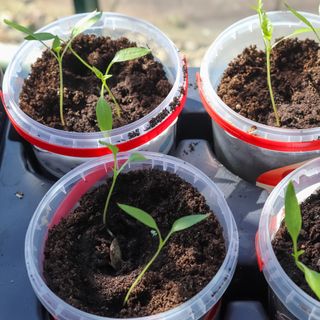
(56, 49)
(267, 32)
(103, 109)
(145, 218)
(116, 171)
(293, 221)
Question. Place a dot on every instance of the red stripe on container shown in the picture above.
(252, 139)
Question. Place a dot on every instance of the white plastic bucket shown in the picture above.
(64, 196)
(287, 300)
(246, 152)
(78, 146)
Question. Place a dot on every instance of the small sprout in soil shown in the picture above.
(267, 32)
(145, 218)
(293, 221)
(134, 157)
(103, 109)
(57, 50)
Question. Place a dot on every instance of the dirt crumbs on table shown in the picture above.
(295, 76)
(308, 241)
(77, 264)
(139, 85)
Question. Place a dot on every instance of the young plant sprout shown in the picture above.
(293, 221)
(145, 218)
(267, 32)
(116, 171)
(56, 48)
(103, 109)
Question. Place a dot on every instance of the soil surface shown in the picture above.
(309, 240)
(139, 85)
(295, 76)
(78, 267)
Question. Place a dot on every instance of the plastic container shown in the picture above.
(249, 148)
(64, 196)
(77, 146)
(287, 300)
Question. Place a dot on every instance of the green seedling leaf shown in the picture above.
(295, 33)
(303, 19)
(130, 54)
(97, 72)
(107, 76)
(40, 36)
(312, 277)
(56, 44)
(179, 225)
(104, 114)
(113, 149)
(136, 157)
(17, 26)
(265, 23)
(293, 218)
(187, 222)
(139, 215)
(85, 23)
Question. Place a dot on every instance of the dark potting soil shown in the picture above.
(77, 265)
(309, 241)
(295, 76)
(139, 85)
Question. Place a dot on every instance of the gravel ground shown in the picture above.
(192, 25)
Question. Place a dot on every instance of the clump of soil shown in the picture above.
(77, 264)
(309, 241)
(139, 86)
(295, 76)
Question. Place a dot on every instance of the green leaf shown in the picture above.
(299, 16)
(187, 222)
(265, 23)
(136, 157)
(293, 218)
(97, 72)
(130, 54)
(40, 36)
(107, 76)
(303, 19)
(17, 26)
(139, 215)
(104, 114)
(295, 33)
(313, 279)
(113, 149)
(56, 44)
(85, 23)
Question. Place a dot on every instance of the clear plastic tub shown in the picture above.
(287, 299)
(64, 196)
(247, 152)
(85, 145)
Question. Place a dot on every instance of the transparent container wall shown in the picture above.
(249, 161)
(58, 165)
(64, 196)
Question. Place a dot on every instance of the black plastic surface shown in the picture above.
(23, 183)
